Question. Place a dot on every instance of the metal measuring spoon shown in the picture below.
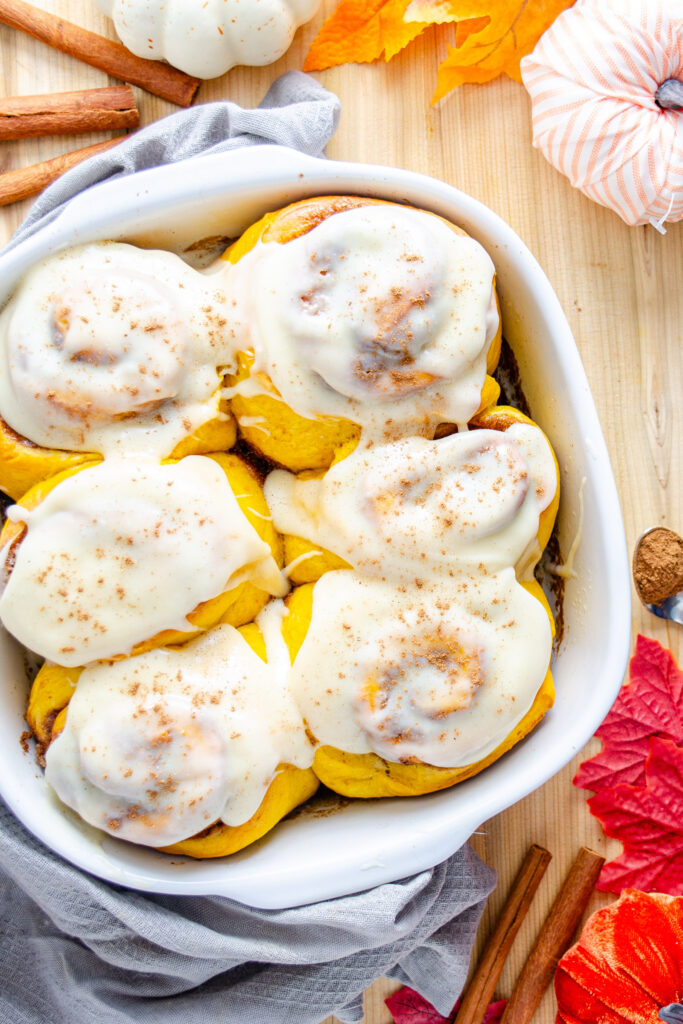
(670, 607)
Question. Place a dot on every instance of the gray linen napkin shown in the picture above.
(78, 950)
(296, 112)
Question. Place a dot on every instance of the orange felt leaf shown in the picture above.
(435, 11)
(440, 12)
(362, 31)
(513, 30)
(463, 29)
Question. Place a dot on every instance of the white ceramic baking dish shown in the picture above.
(316, 855)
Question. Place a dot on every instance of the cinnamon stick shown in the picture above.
(152, 75)
(28, 181)
(66, 113)
(554, 937)
(479, 992)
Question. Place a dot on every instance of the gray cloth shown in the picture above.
(296, 112)
(76, 950)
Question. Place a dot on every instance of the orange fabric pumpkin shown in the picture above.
(627, 967)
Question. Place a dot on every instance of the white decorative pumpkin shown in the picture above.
(206, 38)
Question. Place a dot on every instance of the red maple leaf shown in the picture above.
(650, 704)
(408, 1007)
(648, 820)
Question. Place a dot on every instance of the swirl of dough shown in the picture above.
(109, 345)
(152, 771)
(415, 687)
(385, 325)
(111, 374)
(158, 747)
(542, 463)
(462, 491)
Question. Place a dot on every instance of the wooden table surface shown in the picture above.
(620, 288)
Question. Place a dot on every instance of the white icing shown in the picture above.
(110, 348)
(116, 553)
(157, 747)
(567, 571)
(418, 508)
(429, 651)
(439, 673)
(206, 38)
(381, 314)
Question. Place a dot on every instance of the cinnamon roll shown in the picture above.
(416, 508)
(114, 558)
(358, 314)
(107, 348)
(197, 749)
(424, 687)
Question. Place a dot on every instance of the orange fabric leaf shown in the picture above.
(463, 29)
(362, 31)
(513, 30)
(435, 11)
(440, 12)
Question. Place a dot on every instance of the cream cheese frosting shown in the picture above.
(438, 673)
(109, 348)
(419, 508)
(382, 314)
(118, 552)
(159, 746)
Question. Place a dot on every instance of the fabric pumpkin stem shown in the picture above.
(669, 95)
(672, 1014)
(627, 967)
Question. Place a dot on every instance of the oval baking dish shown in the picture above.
(321, 854)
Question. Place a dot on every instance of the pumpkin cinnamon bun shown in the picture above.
(197, 750)
(419, 508)
(424, 686)
(111, 349)
(114, 558)
(358, 315)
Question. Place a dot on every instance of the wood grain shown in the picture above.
(618, 286)
(99, 51)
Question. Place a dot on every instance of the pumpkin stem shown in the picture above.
(672, 1014)
(669, 95)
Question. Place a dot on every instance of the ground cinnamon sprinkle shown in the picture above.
(658, 565)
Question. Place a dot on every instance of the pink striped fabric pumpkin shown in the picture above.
(599, 114)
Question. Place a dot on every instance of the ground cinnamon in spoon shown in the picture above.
(658, 565)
